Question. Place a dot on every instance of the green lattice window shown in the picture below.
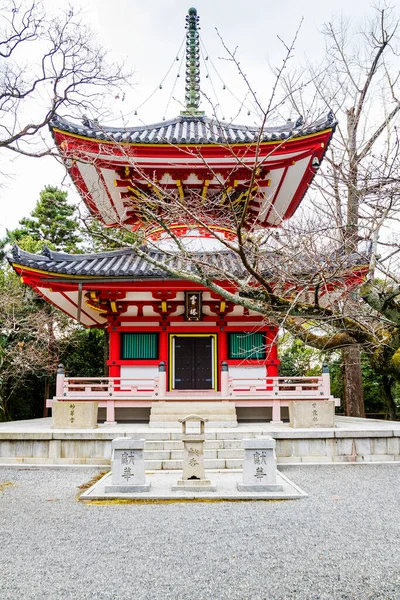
(246, 345)
(139, 346)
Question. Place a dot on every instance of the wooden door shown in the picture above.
(193, 363)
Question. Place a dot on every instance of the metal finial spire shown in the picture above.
(192, 87)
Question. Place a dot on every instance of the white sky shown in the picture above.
(147, 36)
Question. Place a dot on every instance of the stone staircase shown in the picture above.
(218, 414)
(222, 449)
(218, 454)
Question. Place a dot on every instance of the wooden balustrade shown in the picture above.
(270, 387)
(112, 392)
(100, 387)
(277, 386)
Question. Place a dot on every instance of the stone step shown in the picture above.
(217, 414)
(209, 463)
(172, 445)
(178, 454)
(230, 453)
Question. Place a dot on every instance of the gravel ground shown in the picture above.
(343, 542)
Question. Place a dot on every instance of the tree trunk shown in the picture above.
(5, 405)
(387, 387)
(46, 395)
(352, 380)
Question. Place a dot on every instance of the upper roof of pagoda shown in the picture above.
(214, 172)
(122, 173)
(198, 130)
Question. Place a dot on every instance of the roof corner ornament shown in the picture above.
(300, 122)
(47, 252)
(192, 76)
(15, 251)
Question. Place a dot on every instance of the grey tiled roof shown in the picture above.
(126, 264)
(193, 130)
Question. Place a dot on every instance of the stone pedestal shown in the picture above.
(74, 415)
(193, 475)
(320, 413)
(127, 466)
(259, 466)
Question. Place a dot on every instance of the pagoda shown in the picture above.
(170, 338)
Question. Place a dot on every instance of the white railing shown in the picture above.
(275, 391)
(107, 387)
(279, 387)
(270, 387)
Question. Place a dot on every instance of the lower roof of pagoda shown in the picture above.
(119, 170)
(94, 288)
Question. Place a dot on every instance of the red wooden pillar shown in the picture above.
(115, 353)
(163, 351)
(272, 358)
(222, 349)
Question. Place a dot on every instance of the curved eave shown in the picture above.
(93, 166)
(69, 301)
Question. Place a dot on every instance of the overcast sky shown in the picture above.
(147, 36)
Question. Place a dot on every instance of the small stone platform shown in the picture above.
(225, 489)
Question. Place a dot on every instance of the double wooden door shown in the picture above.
(193, 362)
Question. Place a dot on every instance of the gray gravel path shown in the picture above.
(343, 542)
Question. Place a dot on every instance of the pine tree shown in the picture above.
(52, 222)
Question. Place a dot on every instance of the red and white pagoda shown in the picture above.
(171, 339)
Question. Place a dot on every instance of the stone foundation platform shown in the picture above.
(351, 440)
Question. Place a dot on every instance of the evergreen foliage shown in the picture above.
(34, 336)
(52, 223)
(300, 360)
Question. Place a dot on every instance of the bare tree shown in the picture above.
(48, 64)
(359, 187)
(32, 336)
(304, 276)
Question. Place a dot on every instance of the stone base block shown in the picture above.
(194, 485)
(127, 489)
(305, 414)
(243, 487)
(74, 415)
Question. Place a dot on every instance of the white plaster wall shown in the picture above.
(141, 375)
(251, 374)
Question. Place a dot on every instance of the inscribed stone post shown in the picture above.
(259, 466)
(128, 473)
(193, 475)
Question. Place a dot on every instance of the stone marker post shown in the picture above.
(74, 414)
(320, 413)
(259, 466)
(193, 476)
(127, 466)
